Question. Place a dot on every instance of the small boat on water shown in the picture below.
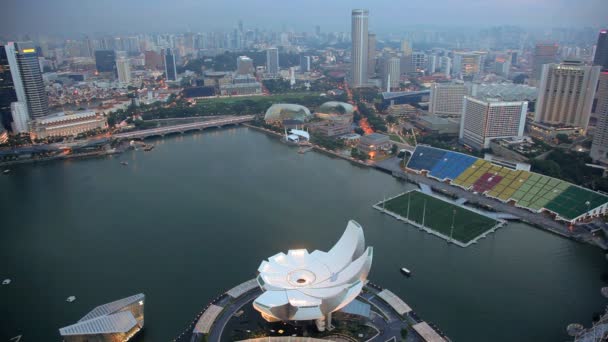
(124, 163)
(6, 281)
(70, 299)
(6, 172)
(148, 148)
(406, 272)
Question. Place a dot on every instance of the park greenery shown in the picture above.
(363, 111)
(570, 166)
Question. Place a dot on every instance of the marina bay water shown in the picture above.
(195, 216)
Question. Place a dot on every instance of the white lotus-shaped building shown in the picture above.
(310, 286)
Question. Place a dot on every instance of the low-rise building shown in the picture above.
(437, 125)
(331, 128)
(67, 124)
(548, 132)
(374, 142)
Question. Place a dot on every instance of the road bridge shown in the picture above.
(196, 126)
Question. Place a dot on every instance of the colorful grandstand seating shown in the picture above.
(530, 190)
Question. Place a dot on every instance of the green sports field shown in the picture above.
(467, 224)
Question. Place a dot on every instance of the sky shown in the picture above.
(134, 16)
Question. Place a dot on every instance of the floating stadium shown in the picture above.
(524, 189)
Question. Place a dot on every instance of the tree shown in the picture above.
(563, 138)
(520, 79)
(394, 149)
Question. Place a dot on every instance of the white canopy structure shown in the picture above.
(302, 286)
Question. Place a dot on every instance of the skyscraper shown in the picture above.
(447, 99)
(7, 90)
(371, 54)
(566, 94)
(543, 54)
(27, 78)
(124, 71)
(392, 73)
(599, 147)
(360, 48)
(601, 50)
(466, 64)
(483, 121)
(170, 69)
(272, 61)
(446, 66)
(105, 61)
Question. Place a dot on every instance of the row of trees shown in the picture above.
(570, 166)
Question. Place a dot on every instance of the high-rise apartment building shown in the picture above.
(431, 64)
(304, 63)
(7, 90)
(244, 66)
(371, 55)
(124, 71)
(483, 121)
(105, 61)
(272, 61)
(419, 61)
(170, 68)
(543, 54)
(446, 66)
(447, 99)
(566, 94)
(360, 48)
(599, 147)
(27, 78)
(601, 50)
(392, 73)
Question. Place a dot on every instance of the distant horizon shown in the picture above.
(73, 17)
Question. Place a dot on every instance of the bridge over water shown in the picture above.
(196, 126)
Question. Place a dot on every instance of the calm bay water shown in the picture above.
(197, 215)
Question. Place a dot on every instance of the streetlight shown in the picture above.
(452, 228)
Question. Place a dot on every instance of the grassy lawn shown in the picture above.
(395, 137)
(467, 224)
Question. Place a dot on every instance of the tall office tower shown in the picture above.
(543, 54)
(406, 49)
(483, 121)
(20, 117)
(27, 78)
(304, 63)
(105, 61)
(318, 31)
(514, 58)
(466, 64)
(431, 64)
(170, 69)
(599, 147)
(446, 66)
(601, 50)
(153, 60)
(244, 65)
(272, 61)
(360, 47)
(371, 54)
(566, 94)
(124, 71)
(240, 25)
(447, 99)
(392, 73)
(7, 90)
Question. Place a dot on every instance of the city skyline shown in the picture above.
(69, 16)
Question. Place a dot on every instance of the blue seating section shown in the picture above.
(425, 158)
(452, 165)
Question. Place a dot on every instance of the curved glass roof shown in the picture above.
(286, 111)
(335, 107)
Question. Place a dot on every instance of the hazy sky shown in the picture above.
(67, 16)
